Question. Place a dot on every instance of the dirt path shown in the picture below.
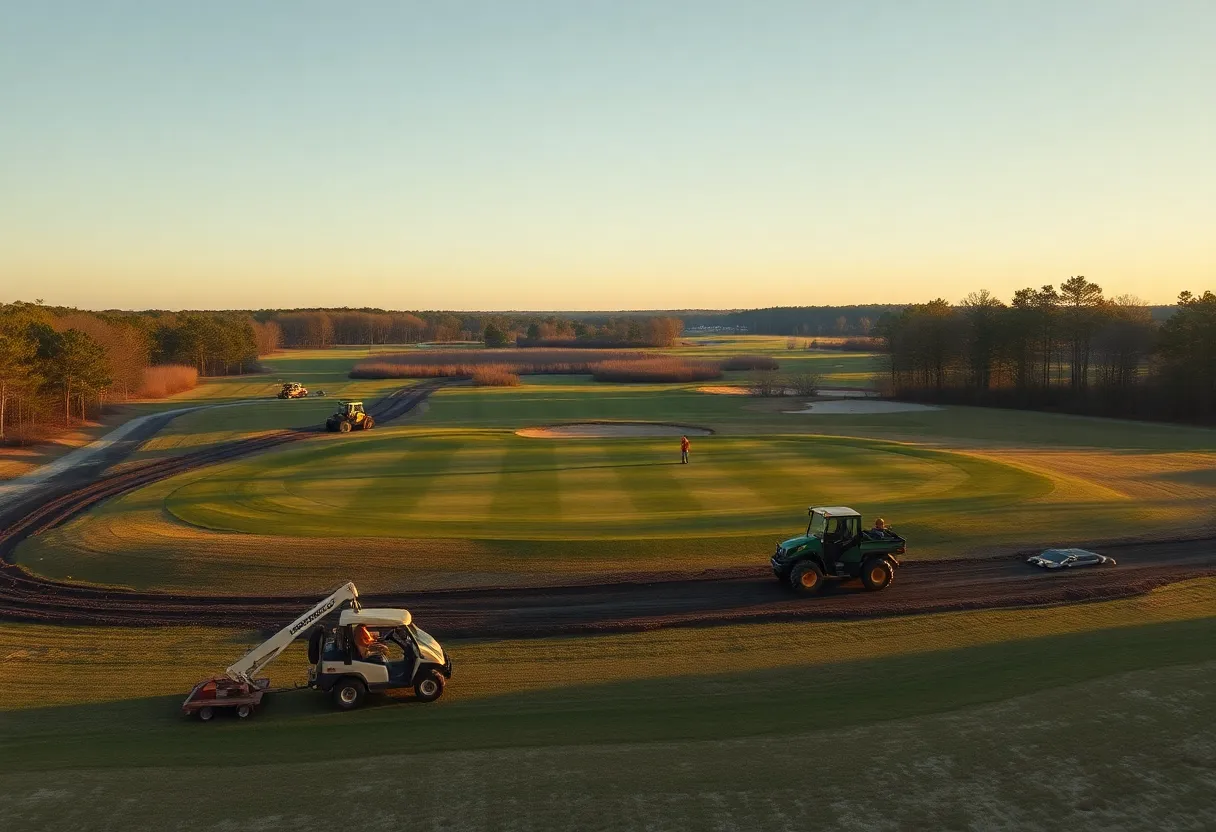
(639, 602)
(747, 595)
(86, 462)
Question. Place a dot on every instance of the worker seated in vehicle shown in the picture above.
(368, 646)
(880, 530)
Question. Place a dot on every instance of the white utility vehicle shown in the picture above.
(400, 656)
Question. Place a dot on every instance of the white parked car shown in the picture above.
(1067, 558)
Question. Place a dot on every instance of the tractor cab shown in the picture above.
(349, 409)
(837, 527)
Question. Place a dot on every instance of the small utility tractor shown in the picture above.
(399, 656)
(293, 390)
(835, 547)
(350, 416)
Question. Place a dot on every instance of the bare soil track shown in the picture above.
(637, 602)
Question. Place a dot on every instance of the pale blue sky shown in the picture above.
(579, 155)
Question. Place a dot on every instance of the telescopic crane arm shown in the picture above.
(256, 659)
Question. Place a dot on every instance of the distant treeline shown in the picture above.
(320, 328)
(811, 321)
(58, 364)
(1069, 349)
(795, 320)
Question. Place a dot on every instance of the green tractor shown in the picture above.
(835, 547)
(350, 416)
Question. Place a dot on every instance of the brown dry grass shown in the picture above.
(462, 363)
(495, 375)
(603, 365)
(648, 370)
(167, 379)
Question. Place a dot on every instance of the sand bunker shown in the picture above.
(860, 406)
(608, 430)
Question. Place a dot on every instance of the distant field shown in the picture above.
(1087, 716)
(454, 498)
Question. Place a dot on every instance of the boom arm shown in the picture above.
(266, 652)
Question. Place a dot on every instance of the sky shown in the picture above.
(602, 155)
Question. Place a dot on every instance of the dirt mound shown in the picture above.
(610, 430)
(863, 406)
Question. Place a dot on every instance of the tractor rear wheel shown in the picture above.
(877, 574)
(344, 426)
(807, 578)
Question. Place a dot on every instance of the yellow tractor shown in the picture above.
(350, 416)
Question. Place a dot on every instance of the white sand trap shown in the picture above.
(610, 430)
(859, 406)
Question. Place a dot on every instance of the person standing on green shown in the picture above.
(683, 450)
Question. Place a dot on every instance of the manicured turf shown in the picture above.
(900, 723)
(454, 497)
(1130, 751)
(496, 485)
(549, 691)
(766, 688)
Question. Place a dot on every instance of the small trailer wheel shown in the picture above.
(244, 711)
(206, 713)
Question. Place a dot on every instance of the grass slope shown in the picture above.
(737, 712)
(1046, 760)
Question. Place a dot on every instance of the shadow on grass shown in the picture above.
(299, 726)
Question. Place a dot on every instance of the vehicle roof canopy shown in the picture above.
(376, 617)
(835, 511)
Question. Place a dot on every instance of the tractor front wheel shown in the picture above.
(807, 578)
(877, 574)
(369, 423)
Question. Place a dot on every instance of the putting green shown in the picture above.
(496, 485)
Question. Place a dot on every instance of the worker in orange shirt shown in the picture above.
(366, 644)
(683, 450)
